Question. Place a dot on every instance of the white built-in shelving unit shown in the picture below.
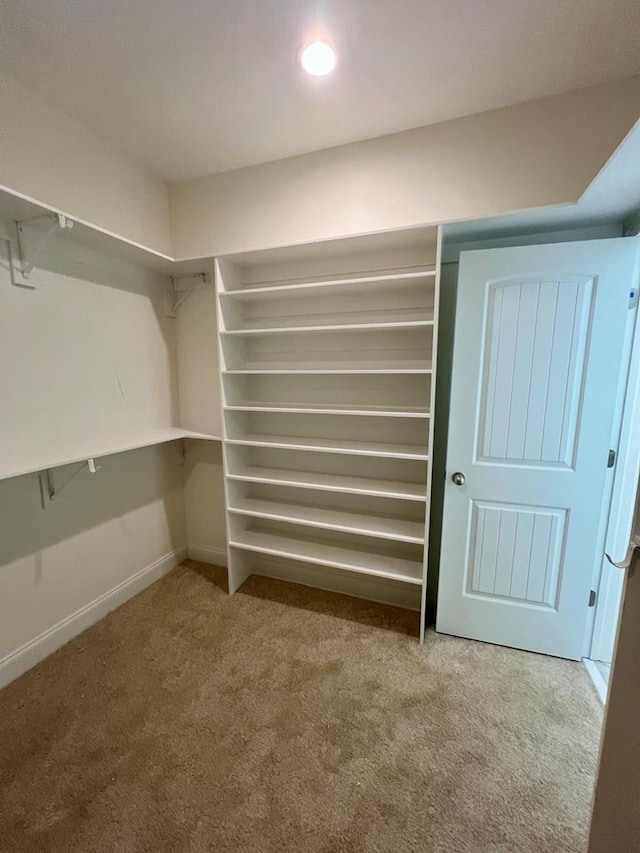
(327, 369)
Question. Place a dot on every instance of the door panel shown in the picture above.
(515, 553)
(538, 345)
(535, 333)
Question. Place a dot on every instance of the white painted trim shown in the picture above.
(205, 554)
(619, 522)
(598, 680)
(23, 658)
(628, 462)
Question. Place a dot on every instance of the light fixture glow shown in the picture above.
(318, 59)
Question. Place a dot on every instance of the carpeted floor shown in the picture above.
(288, 719)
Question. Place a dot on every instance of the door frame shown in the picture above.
(608, 580)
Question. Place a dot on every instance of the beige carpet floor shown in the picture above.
(288, 719)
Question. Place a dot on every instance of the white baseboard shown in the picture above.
(205, 554)
(598, 679)
(31, 653)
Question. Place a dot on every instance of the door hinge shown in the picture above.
(592, 598)
(611, 459)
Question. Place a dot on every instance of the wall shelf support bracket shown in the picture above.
(181, 288)
(31, 249)
(49, 491)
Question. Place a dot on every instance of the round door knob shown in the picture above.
(458, 478)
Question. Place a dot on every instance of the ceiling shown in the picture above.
(194, 87)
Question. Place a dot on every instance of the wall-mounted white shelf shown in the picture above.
(75, 325)
(16, 466)
(327, 375)
(15, 207)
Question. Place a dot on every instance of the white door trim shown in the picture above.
(609, 581)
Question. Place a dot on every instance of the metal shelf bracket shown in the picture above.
(31, 249)
(181, 288)
(49, 491)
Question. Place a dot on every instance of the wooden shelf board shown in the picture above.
(284, 289)
(333, 445)
(328, 409)
(16, 467)
(337, 327)
(331, 483)
(394, 529)
(309, 551)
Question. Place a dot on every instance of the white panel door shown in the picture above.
(537, 357)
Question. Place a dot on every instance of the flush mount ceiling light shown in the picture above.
(318, 59)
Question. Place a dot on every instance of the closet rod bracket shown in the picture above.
(181, 288)
(31, 250)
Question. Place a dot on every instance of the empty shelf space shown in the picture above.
(400, 438)
(321, 317)
(333, 327)
(333, 445)
(330, 482)
(309, 549)
(336, 351)
(328, 409)
(407, 394)
(396, 529)
(343, 285)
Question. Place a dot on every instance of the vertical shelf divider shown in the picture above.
(237, 569)
(432, 407)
